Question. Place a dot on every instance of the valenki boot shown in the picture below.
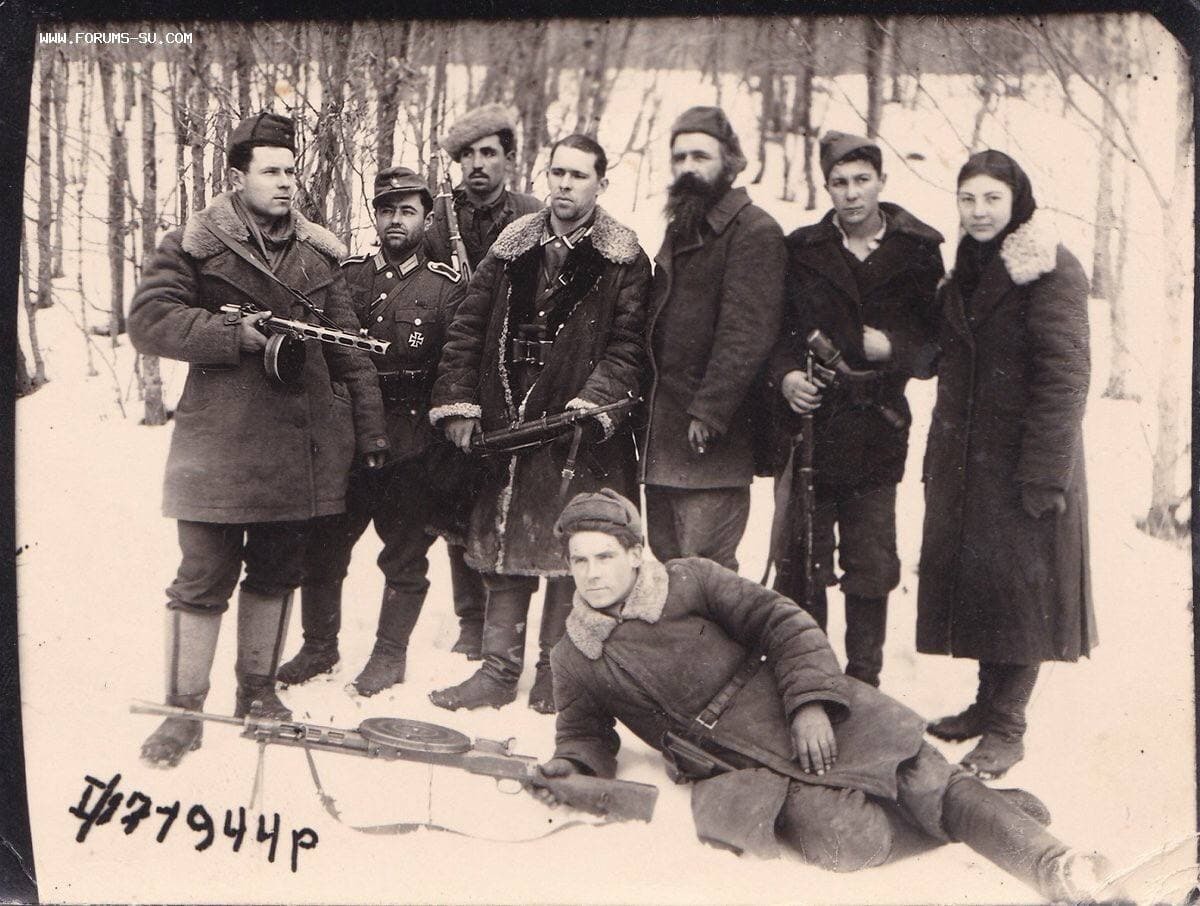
(398, 614)
(494, 684)
(191, 646)
(1002, 744)
(969, 723)
(560, 593)
(262, 623)
(470, 602)
(866, 629)
(321, 618)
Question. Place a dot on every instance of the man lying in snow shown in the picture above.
(740, 690)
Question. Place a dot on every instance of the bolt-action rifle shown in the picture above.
(445, 197)
(399, 739)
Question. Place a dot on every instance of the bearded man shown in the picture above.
(714, 316)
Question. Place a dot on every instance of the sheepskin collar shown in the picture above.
(203, 243)
(615, 242)
(589, 628)
(1030, 250)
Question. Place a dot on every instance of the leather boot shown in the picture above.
(321, 617)
(262, 623)
(1002, 744)
(560, 592)
(997, 829)
(969, 723)
(495, 683)
(191, 647)
(385, 667)
(470, 601)
(866, 628)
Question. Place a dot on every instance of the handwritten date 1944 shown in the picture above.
(139, 807)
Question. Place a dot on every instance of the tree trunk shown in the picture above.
(1121, 364)
(180, 79)
(152, 391)
(391, 76)
(198, 121)
(531, 97)
(766, 115)
(45, 263)
(243, 65)
(985, 86)
(875, 38)
(1105, 217)
(24, 383)
(437, 98)
(1179, 246)
(117, 175)
(336, 53)
(80, 182)
(802, 114)
(31, 310)
(896, 50)
(59, 101)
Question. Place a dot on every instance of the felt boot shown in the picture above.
(559, 595)
(321, 618)
(262, 624)
(470, 602)
(969, 723)
(1002, 744)
(494, 684)
(191, 646)
(866, 628)
(398, 615)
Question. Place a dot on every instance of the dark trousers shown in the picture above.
(213, 554)
(696, 522)
(397, 500)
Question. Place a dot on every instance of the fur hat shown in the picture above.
(603, 511)
(712, 121)
(265, 128)
(475, 124)
(836, 145)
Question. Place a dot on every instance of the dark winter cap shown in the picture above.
(269, 129)
(999, 165)
(490, 119)
(401, 181)
(712, 121)
(603, 511)
(835, 146)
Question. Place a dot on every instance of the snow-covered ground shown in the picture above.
(1110, 747)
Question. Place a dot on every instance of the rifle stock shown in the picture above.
(619, 800)
(445, 194)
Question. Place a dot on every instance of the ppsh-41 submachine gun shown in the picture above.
(400, 739)
(284, 355)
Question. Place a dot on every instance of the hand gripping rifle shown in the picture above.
(399, 739)
(445, 196)
(283, 357)
(527, 435)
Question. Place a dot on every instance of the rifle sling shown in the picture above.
(238, 249)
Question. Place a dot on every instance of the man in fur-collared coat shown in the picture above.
(740, 691)
(553, 320)
(251, 459)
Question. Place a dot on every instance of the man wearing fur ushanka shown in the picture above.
(739, 689)
(552, 320)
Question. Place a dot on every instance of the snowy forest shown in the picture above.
(126, 141)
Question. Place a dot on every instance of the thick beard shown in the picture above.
(689, 199)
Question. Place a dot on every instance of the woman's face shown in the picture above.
(984, 207)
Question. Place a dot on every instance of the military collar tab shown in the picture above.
(589, 628)
(405, 267)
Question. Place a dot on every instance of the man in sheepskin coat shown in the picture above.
(251, 460)
(552, 320)
(865, 276)
(714, 317)
(483, 142)
(739, 689)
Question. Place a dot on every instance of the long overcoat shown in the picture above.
(597, 322)
(855, 444)
(714, 317)
(684, 631)
(995, 583)
(245, 449)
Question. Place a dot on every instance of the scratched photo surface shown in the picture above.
(126, 140)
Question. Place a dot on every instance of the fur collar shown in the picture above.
(617, 243)
(1031, 250)
(589, 628)
(201, 243)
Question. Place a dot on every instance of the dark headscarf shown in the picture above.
(973, 256)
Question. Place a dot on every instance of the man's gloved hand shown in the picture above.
(812, 733)
(1038, 501)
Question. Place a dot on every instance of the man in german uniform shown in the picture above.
(483, 143)
(400, 297)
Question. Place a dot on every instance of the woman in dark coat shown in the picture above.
(1004, 561)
